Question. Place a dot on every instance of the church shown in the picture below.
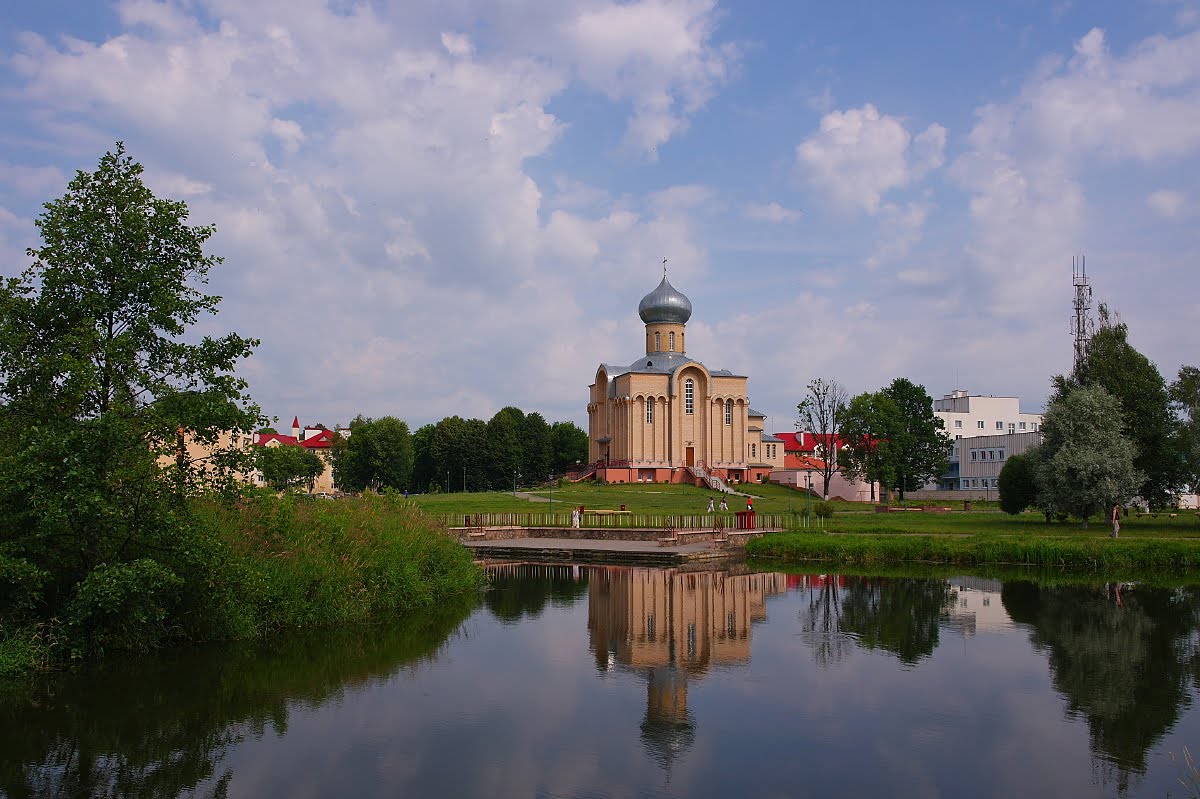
(667, 418)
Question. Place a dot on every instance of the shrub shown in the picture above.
(21, 585)
(823, 509)
(122, 607)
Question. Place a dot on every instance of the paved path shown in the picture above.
(591, 544)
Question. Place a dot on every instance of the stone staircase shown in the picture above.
(711, 480)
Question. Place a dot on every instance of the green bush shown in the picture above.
(125, 606)
(21, 585)
(823, 509)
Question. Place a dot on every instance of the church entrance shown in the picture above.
(689, 456)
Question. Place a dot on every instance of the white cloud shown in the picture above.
(859, 155)
(1166, 202)
(770, 212)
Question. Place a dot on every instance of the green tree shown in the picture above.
(1112, 363)
(1018, 482)
(918, 450)
(535, 446)
(1085, 462)
(568, 446)
(101, 380)
(821, 414)
(377, 454)
(1185, 394)
(502, 448)
(870, 421)
(425, 476)
(285, 466)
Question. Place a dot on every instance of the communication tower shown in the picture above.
(1082, 326)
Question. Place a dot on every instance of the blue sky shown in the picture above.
(436, 208)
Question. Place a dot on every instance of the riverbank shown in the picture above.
(247, 569)
(1085, 551)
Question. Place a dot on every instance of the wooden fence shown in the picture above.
(626, 521)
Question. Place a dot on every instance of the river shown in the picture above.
(629, 682)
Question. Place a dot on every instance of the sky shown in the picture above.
(447, 207)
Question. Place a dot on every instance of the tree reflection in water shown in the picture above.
(162, 727)
(897, 615)
(1126, 663)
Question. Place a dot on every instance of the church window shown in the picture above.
(671, 340)
(728, 411)
(657, 345)
(649, 410)
(689, 396)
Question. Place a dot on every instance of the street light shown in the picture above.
(807, 500)
(550, 480)
(516, 474)
(464, 479)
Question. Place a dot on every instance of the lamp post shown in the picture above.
(550, 480)
(464, 479)
(516, 474)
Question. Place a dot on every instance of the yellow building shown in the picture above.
(666, 417)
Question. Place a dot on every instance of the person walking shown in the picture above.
(724, 504)
(1116, 520)
(711, 507)
(575, 518)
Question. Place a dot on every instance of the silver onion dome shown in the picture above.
(665, 304)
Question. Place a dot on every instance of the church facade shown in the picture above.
(666, 417)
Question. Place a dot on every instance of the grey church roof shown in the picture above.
(665, 304)
(768, 438)
(658, 363)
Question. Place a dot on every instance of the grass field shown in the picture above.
(849, 517)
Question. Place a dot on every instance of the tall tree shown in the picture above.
(100, 378)
(1085, 462)
(821, 414)
(1185, 393)
(1112, 363)
(377, 455)
(503, 448)
(285, 466)
(535, 446)
(920, 448)
(870, 421)
(568, 446)
(424, 473)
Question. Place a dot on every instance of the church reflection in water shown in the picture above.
(672, 626)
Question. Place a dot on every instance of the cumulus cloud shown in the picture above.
(1166, 202)
(858, 155)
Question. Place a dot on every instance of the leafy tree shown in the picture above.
(502, 449)
(283, 467)
(1018, 482)
(100, 379)
(1185, 394)
(1147, 419)
(821, 414)
(568, 446)
(919, 448)
(868, 424)
(1085, 463)
(535, 446)
(424, 473)
(378, 454)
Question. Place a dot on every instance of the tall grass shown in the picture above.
(303, 563)
(1090, 554)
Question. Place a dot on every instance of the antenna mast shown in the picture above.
(1082, 326)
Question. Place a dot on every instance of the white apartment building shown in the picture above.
(969, 417)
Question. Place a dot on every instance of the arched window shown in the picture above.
(657, 346)
(689, 396)
(728, 411)
(649, 410)
(671, 340)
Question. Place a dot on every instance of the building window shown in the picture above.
(671, 340)
(980, 424)
(649, 410)
(657, 345)
(1012, 428)
(753, 451)
(1034, 426)
(999, 425)
(689, 395)
(958, 423)
(728, 411)
(973, 453)
(1022, 425)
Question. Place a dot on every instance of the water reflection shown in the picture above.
(163, 727)
(1125, 660)
(672, 626)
